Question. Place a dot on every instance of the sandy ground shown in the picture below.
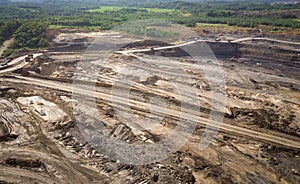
(5, 45)
(138, 100)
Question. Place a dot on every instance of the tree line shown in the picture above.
(29, 20)
(29, 35)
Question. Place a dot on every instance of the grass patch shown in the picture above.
(275, 30)
(186, 14)
(56, 26)
(297, 19)
(216, 26)
(158, 10)
(117, 8)
(212, 25)
(150, 28)
(86, 28)
(106, 8)
(27, 9)
(206, 29)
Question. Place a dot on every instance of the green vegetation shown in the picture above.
(146, 28)
(216, 26)
(104, 15)
(159, 10)
(8, 52)
(7, 29)
(242, 13)
(30, 35)
(56, 26)
(102, 9)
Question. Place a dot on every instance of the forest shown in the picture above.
(31, 19)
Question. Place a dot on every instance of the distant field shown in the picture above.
(298, 19)
(116, 8)
(211, 25)
(106, 8)
(27, 9)
(158, 10)
(215, 26)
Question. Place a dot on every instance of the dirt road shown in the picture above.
(105, 95)
(66, 87)
(126, 52)
(17, 64)
(5, 45)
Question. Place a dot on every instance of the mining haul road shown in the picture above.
(280, 139)
(17, 64)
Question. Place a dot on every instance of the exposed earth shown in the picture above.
(44, 101)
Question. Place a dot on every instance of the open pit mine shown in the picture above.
(44, 95)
